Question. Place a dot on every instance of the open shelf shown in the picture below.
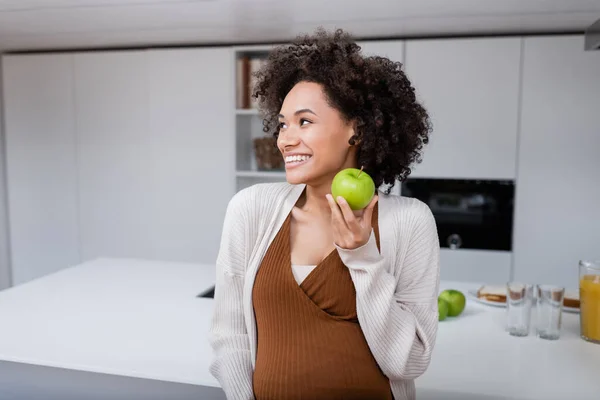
(261, 174)
(248, 120)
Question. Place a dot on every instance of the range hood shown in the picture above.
(592, 36)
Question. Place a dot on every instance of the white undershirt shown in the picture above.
(301, 271)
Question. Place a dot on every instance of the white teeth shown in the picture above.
(296, 158)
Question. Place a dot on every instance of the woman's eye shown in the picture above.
(281, 125)
(302, 121)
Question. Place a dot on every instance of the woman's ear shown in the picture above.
(354, 136)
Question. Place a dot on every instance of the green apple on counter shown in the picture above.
(442, 309)
(455, 300)
(355, 186)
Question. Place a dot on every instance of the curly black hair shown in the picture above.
(392, 127)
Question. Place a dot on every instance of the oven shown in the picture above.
(470, 214)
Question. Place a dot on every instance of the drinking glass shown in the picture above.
(549, 311)
(519, 297)
(589, 297)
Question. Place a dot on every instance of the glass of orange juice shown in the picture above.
(589, 296)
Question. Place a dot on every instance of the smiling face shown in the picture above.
(313, 136)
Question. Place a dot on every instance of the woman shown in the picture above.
(314, 300)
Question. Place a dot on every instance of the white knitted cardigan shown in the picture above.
(396, 291)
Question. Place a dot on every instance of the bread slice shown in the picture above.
(571, 299)
(494, 293)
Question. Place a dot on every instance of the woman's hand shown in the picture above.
(351, 229)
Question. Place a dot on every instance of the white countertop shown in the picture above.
(117, 316)
(475, 358)
(142, 319)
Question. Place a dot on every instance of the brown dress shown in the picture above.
(310, 344)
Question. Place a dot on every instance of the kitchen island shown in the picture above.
(137, 329)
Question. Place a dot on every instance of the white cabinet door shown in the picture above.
(392, 49)
(190, 102)
(558, 189)
(116, 154)
(41, 164)
(470, 87)
(155, 138)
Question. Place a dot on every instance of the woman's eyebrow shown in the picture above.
(303, 110)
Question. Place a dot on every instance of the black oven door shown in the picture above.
(471, 214)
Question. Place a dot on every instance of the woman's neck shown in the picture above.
(313, 200)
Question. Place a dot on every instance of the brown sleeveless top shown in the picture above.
(310, 344)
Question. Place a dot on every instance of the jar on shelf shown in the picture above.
(268, 156)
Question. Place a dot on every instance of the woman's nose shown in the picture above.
(288, 139)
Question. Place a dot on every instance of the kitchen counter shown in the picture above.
(118, 317)
(142, 320)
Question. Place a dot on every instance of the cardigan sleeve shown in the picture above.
(399, 317)
(231, 364)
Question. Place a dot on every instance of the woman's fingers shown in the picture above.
(350, 231)
(338, 226)
(348, 214)
(336, 215)
(369, 210)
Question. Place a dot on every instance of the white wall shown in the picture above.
(5, 275)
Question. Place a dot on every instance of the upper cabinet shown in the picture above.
(392, 49)
(155, 152)
(557, 207)
(117, 154)
(190, 94)
(470, 87)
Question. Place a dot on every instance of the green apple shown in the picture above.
(442, 309)
(355, 186)
(456, 301)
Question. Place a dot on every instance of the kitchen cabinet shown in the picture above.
(117, 154)
(557, 219)
(190, 93)
(392, 49)
(116, 151)
(470, 87)
(41, 164)
(156, 167)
